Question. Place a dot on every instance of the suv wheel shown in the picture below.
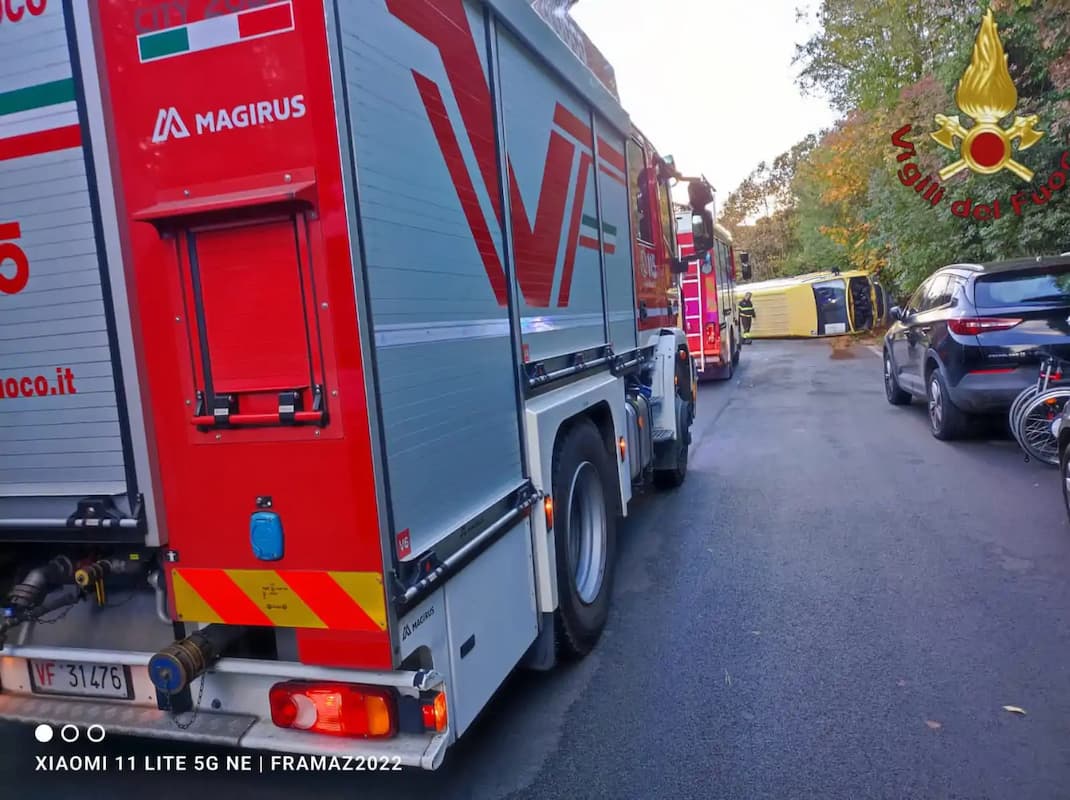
(946, 420)
(896, 396)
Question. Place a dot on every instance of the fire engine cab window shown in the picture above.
(665, 207)
(637, 175)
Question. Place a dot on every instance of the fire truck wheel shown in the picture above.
(675, 477)
(737, 349)
(585, 521)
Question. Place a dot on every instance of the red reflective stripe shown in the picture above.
(611, 154)
(232, 604)
(537, 247)
(462, 182)
(607, 171)
(445, 24)
(265, 20)
(40, 142)
(574, 229)
(991, 371)
(572, 125)
(329, 601)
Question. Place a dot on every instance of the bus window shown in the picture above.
(831, 299)
(640, 207)
(861, 303)
(882, 301)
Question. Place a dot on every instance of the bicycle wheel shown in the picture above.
(1016, 408)
(1034, 426)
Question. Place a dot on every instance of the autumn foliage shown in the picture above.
(834, 199)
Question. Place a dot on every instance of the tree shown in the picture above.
(836, 200)
(865, 50)
(761, 212)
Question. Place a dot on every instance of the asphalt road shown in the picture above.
(835, 605)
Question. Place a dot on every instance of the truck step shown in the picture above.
(663, 435)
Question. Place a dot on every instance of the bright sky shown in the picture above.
(717, 108)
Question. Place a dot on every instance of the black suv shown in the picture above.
(972, 336)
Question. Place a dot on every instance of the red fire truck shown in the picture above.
(708, 306)
(335, 337)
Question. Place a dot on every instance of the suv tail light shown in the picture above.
(972, 326)
(337, 709)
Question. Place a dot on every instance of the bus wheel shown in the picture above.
(585, 520)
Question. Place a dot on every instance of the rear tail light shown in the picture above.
(972, 326)
(337, 709)
(423, 714)
(434, 713)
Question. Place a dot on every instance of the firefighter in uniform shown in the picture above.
(747, 315)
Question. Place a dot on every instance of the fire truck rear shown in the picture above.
(708, 307)
(335, 337)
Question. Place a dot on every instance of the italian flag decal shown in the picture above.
(208, 34)
(38, 119)
(589, 235)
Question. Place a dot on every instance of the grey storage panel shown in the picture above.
(614, 199)
(553, 206)
(63, 436)
(447, 388)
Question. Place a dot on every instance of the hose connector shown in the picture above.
(176, 666)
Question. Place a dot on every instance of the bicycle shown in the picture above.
(1036, 407)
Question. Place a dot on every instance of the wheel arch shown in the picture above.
(933, 362)
(601, 416)
(599, 400)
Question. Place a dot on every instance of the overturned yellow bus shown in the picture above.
(829, 303)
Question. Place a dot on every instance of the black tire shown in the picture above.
(736, 351)
(724, 373)
(946, 420)
(895, 394)
(675, 477)
(584, 490)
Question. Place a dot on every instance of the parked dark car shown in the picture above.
(972, 336)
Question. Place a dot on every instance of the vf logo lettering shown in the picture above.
(169, 124)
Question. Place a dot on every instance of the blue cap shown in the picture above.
(166, 673)
(265, 535)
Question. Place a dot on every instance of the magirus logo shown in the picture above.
(171, 125)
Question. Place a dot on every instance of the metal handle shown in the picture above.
(238, 420)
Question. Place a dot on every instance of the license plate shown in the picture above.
(81, 679)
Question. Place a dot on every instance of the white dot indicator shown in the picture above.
(43, 733)
(69, 733)
(95, 738)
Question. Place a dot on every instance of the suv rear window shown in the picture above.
(1049, 286)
